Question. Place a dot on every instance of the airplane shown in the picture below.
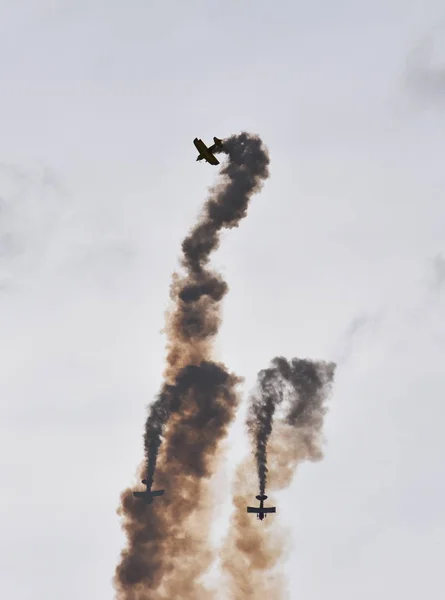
(261, 511)
(207, 153)
(148, 495)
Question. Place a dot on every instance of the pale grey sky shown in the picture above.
(337, 260)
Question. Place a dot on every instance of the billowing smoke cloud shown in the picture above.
(167, 548)
(285, 422)
(303, 384)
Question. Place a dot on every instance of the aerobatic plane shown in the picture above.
(261, 510)
(147, 496)
(207, 153)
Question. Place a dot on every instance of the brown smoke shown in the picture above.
(167, 542)
(253, 549)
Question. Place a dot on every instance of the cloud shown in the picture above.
(438, 272)
(43, 227)
(357, 327)
(424, 75)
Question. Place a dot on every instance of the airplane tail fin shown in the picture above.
(217, 141)
(261, 497)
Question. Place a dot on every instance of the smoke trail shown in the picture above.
(302, 380)
(167, 549)
(252, 551)
(259, 420)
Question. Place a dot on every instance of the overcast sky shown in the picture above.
(341, 258)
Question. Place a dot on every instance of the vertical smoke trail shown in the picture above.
(167, 549)
(252, 551)
(259, 420)
(154, 428)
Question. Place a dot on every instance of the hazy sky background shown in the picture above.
(341, 258)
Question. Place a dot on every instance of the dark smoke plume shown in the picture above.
(259, 421)
(303, 383)
(167, 547)
(251, 553)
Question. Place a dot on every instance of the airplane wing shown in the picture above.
(271, 509)
(139, 494)
(157, 493)
(211, 158)
(200, 146)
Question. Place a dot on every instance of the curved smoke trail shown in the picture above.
(167, 548)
